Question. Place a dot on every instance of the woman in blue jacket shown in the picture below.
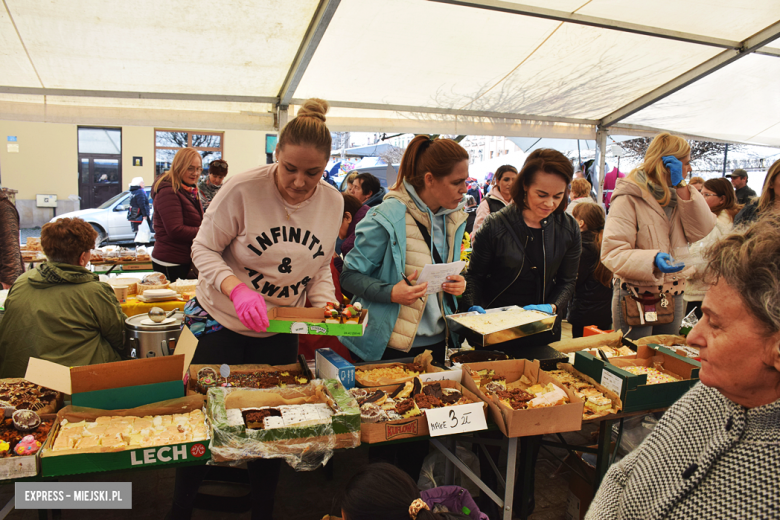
(421, 221)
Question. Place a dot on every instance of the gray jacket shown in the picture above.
(707, 458)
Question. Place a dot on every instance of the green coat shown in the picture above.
(61, 313)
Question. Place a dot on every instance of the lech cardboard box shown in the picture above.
(534, 421)
(329, 365)
(121, 384)
(14, 466)
(71, 462)
(633, 389)
(417, 426)
(302, 320)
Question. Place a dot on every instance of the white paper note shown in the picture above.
(456, 419)
(611, 381)
(436, 274)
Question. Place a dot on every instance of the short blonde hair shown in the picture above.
(697, 180)
(653, 165)
(580, 188)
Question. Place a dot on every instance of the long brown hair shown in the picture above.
(653, 165)
(543, 160)
(308, 127)
(768, 195)
(423, 155)
(181, 161)
(593, 216)
(723, 188)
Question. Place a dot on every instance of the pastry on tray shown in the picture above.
(24, 395)
(11, 437)
(260, 379)
(597, 404)
(522, 394)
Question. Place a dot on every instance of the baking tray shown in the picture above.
(476, 339)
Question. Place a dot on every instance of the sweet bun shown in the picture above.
(314, 107)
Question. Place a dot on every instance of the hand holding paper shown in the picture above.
(436, 275)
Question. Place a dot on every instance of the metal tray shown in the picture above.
(477, 339)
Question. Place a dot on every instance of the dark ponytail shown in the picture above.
(438, 156)
(593, 216)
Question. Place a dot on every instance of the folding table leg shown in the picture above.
(511, 473)
(604, 449)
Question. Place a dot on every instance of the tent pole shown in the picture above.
(601, 157)
(579, 156)
(725, 156)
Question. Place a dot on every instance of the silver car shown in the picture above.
(109, 219)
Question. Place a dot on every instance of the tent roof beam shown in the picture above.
(714, 64)
(177, 96)
(592, 21)
(311, 40)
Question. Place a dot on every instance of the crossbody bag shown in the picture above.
(647, 309)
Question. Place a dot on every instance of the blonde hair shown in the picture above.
(181, 161)
(768, 195)
(308, 127)
(696, 180)
(653, 165)
(580, 188)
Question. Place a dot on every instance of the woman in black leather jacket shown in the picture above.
(528, 253)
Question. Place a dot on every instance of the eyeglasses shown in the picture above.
(191, 169)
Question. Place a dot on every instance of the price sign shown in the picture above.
(451, 375)
(456, 419)
(611, 381)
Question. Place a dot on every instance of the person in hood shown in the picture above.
(654, 215)
(420, 222)
(60, 311)
(208, 187)
(140, 208)
(177, 215)
(11, 264)
(498, 198)
(367, 189)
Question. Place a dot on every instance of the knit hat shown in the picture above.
(136, 181)
(739, 172)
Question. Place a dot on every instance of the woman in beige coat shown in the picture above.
(653, 214)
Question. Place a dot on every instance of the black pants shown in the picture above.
(232, 348)
(172, 272)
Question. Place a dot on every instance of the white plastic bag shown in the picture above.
(144, 234)
(432, 472)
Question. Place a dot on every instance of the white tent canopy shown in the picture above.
(536, 68)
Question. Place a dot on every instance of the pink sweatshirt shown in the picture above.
(483, 210)
(246, 233)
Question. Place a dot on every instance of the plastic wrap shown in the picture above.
(304, 447)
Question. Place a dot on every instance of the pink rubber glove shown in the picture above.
(250, 308)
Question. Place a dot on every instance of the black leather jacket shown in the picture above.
(498, 260)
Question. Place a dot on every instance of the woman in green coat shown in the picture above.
(60, 312)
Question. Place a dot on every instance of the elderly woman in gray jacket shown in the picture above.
(716, 452)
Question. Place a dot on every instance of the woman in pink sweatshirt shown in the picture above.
(266, 241)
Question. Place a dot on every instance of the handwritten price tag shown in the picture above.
(456, 419)
(451, 375)
(611, 381)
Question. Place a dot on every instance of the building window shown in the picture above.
(167, 142)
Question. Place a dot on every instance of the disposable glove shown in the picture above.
(250, 308)
(544, 307)
(478, 309)
(666, 264)
(675, 168)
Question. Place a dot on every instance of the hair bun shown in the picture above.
(314, 107)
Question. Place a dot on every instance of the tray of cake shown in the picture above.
(301, 424)
(379, 374)
(523, 399)
(86, 440)
(19, 394)
(202, 377)
(599, 400)
(500, 325)
(21, 437)
(398, 411)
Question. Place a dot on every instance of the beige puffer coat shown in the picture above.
(418, 255)
(637, 229)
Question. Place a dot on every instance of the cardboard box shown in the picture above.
(329, 365)
(15, 467)
(425, 360)
(237, 442)
(371, 433)
(580, 490)
(192, 376)
(302, 320)
(536, 421)
(122, 384)
(55, 463)
(633, 389)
